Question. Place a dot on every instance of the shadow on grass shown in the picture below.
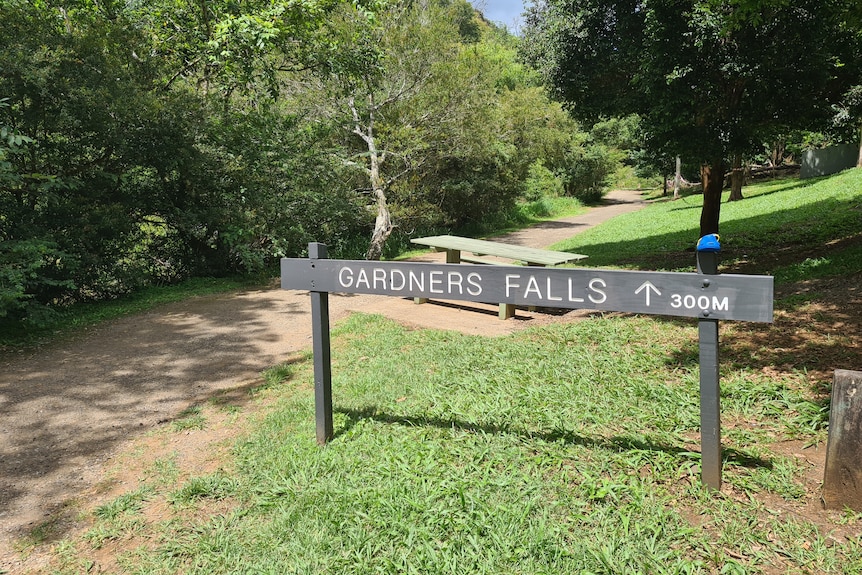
(737, 458)
(757, 244)
(615, 443)
(790, 185)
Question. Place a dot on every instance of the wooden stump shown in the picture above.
(842, 481)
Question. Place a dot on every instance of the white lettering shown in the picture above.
(703, 302)
(510, 284)
(572, 297)
(474, 280)
(455, 280)
(550, 297)
(602, 297)
(532, 286)
(436, 279)
(402, 278)
(362, 278)
(379, 276)
(345, 277)
(417, 282)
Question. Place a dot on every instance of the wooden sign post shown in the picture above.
(705, 295)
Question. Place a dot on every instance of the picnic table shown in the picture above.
(456, 246)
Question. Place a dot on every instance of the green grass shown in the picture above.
(190, 418)
(546, 452)
(548, 208)
(564, 449)
(774, 217)
(839, 263)
(117, 518)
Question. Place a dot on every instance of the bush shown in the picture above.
(540, 208)
(588, 169)
(542, 182)
(28, 271)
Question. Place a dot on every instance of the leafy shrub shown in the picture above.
(587, 171)
(542, 182)
(29, 269)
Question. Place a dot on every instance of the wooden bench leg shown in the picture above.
(507, 310)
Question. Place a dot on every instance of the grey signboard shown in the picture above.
(720, 297)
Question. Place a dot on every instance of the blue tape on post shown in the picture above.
(709, 243)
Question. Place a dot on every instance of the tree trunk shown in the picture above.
(777, 156)
(383, 223)
(382, 227)
(737, 175)
(677, 178)
(859, 161)
(712, 180)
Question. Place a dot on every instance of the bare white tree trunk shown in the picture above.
(677, 178)
(383, 222)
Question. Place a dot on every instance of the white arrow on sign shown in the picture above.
(647, 285)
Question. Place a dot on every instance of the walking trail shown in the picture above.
(68, 407)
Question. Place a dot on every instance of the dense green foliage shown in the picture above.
(148, 142)
(124, 181)
(142, 143)
(711, 79)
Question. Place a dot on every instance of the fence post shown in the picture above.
(710, 390)
(321, 347)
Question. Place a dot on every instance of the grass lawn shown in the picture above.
(774, 230)
(570, 448)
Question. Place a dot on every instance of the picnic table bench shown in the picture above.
(454, 246)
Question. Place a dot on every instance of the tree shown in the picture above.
(711, 79)
(74, 93)
(26, 263)
(403, 91)
(145, 142)
(229, 47)
(139, 149)
(847, 120)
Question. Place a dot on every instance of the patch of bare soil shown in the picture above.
(85, 418)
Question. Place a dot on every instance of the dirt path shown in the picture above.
(67, 407)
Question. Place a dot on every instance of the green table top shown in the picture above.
(509, 251)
